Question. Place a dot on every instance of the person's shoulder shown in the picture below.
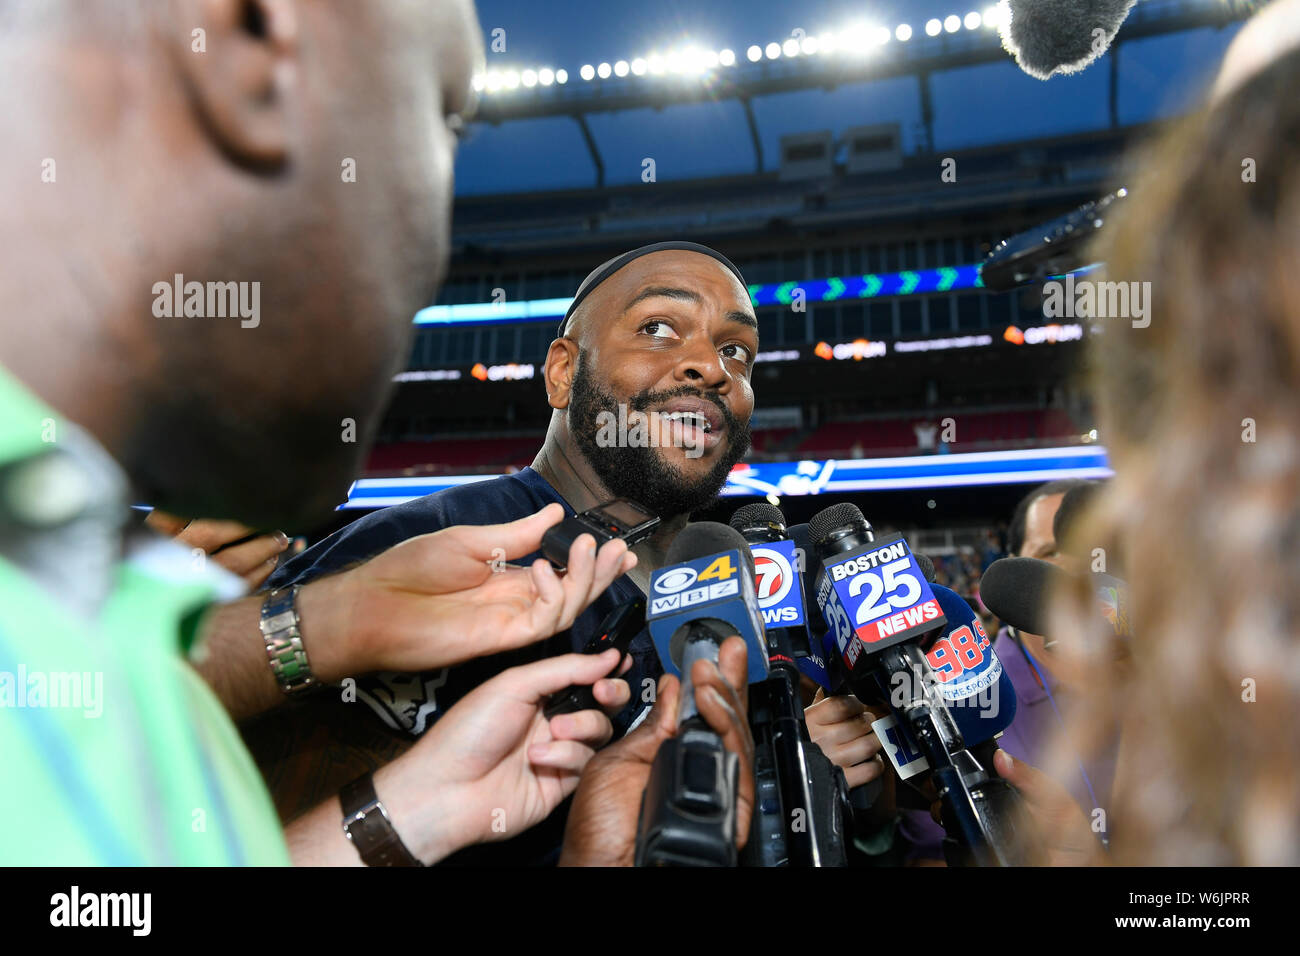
(487, 501)
(491, 500)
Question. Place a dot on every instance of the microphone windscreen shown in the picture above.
(835, 518)
(702, 538)
(758, 516)
(925, 564)
(1017, 591)
(1059, 36)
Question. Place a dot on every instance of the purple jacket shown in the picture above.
(1028, 738)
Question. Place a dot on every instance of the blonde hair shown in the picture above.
(1201, 414)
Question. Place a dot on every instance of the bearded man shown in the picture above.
(649, 379)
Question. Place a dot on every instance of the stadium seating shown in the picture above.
(453, 455)
(882, 437)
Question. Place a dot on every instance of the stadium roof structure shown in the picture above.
(875, 54)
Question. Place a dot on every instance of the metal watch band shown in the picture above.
(368, 827)
(284, 650)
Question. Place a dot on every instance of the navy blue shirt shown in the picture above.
(410, 703)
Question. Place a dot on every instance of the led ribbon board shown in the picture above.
(815, 477)
(873, 285)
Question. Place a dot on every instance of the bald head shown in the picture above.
(626, 281)
(671, 337)
(303, 149)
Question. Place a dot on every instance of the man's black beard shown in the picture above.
(641, 473)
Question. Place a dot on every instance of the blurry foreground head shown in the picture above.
(221, 216)
(1200, 414)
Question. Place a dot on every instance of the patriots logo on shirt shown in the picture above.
(405, 702)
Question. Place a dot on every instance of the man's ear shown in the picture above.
(561, 364)
(238, 60)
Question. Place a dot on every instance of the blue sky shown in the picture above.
(972, 106)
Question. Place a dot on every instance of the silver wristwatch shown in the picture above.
(284, 650)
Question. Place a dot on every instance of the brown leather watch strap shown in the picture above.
(366, 824)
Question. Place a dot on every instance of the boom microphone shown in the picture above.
(1059, 36)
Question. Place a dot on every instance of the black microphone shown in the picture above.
(688, 810)
(1057, 247)
(1020, 591)
(1060, 36)
(801, 795)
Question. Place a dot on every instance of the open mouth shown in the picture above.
(693, 419)
(693, 424)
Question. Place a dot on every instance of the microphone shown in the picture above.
(820, 662)
(1058, 247)
(1019, 592)
(703, 596)
(708, 583)
(970, 678)
(1060, 36)
(883, 614)
(801, 795)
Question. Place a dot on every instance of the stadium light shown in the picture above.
(587, 72)
(727, 57)
(773, 50)
(479, 82)
(881, 35)
(992, 16)
(604, 70)
(561, 76)
(655, 63)
(972, 21)
(512, 79)
(903, 33)
(638, 66)
(546, 76)
(754, 54)
(933, 28)
(528, 78)
(621, 68)
(952, 23)
(858, 39)
(790, 47)
(808, 46)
